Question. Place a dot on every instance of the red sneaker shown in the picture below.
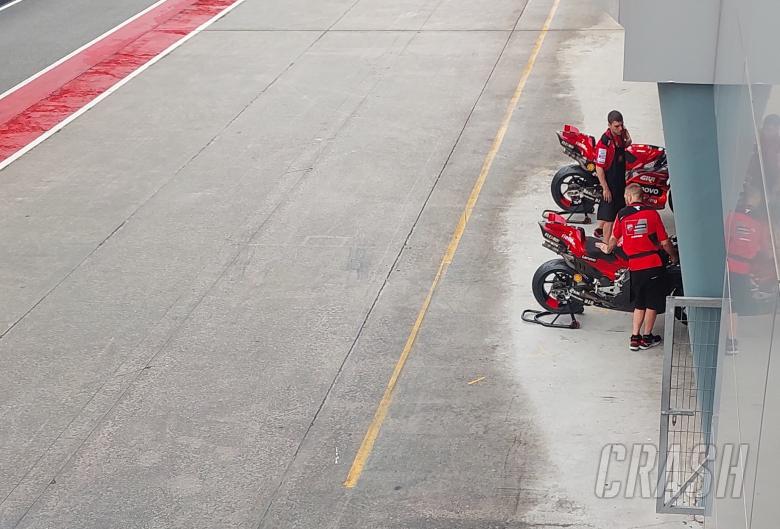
(650, 340)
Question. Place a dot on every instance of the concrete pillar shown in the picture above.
(690, 132)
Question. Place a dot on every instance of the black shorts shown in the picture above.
(649, 289)
(751, 297)
(608, 210)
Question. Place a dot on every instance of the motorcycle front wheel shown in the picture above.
(550, 284)
(567, 186)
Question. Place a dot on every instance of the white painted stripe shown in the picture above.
(59, 126)
(6, 6)
(79, 50)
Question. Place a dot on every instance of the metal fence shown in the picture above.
(687, 398)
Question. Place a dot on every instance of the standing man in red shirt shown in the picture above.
(611, 172)
(644, 235)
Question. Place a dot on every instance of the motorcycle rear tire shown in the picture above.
(562, 179)
(556, 267)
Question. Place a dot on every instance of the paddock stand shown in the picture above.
(569, 216)
(542, 317)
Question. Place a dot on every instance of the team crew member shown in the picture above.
(644, 235)
(611, 172)
(749, 258)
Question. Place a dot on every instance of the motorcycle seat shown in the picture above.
(591, 250)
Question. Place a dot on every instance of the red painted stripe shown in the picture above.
(42, 104)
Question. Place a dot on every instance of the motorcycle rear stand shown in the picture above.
(540, 315)
(586, 219)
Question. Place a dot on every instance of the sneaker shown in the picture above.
(636, 342)
(650, 340)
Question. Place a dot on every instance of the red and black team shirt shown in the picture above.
(747, 234)
(605, 149)
(643, 232)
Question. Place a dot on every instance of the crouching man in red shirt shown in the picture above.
(644, 235)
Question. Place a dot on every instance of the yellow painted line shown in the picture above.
(480, 379)
(384, 405)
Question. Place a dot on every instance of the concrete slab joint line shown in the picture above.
(172, 327)
(374, 428)
(207, 145)
(169, 326)
(513, 104)
(211, 361)
(59, 126)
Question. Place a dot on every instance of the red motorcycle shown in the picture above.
(576, 188)
(584, 275)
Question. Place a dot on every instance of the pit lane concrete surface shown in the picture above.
(209, 279)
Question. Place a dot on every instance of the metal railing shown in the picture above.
(692, 328)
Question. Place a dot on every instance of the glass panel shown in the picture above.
(749, 158)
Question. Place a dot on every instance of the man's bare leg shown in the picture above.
(607, 232)
(639, 316)
(731, 341)
(650, 316)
